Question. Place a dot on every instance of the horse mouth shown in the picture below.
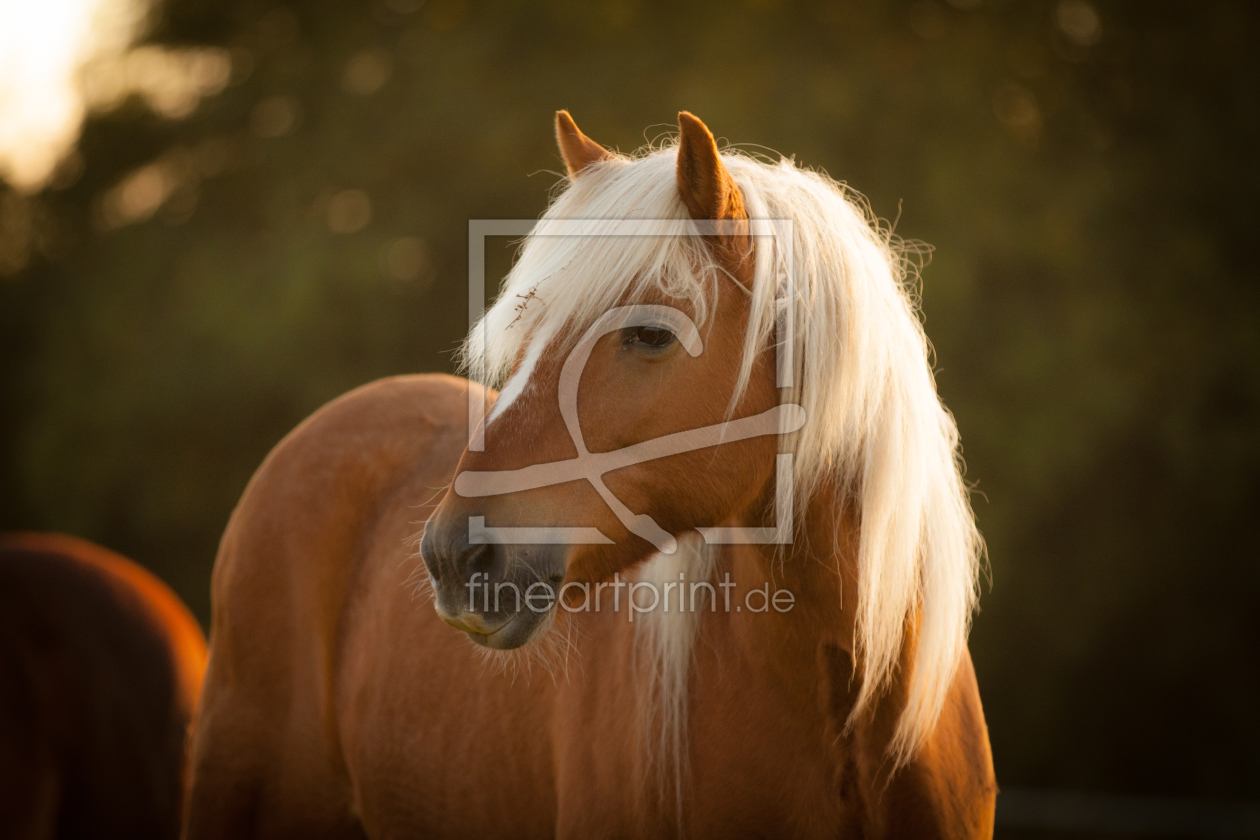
(516, 632)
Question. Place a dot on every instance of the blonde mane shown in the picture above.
(873, 418)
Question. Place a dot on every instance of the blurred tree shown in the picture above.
(1085, 170)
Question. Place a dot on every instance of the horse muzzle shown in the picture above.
(502, 596)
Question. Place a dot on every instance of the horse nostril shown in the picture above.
(478, 559)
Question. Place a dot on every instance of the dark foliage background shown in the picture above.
(1088, 182)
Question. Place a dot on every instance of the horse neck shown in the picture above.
(819, 568)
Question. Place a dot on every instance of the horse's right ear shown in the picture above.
(578, 150)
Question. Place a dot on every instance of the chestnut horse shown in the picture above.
(100, 666)
(756, 421)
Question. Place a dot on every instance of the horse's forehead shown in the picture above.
(519, 381)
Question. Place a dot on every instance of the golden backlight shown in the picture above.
(61, 58)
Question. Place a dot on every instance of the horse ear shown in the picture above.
(704, 183)
(578, 150)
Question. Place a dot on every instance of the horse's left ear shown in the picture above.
(704, 183)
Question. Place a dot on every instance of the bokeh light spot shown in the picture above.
(275, 116)
(349, 211)
(366, 73)
(406, 260)
(1079, 22)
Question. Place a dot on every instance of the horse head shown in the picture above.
(627, 420)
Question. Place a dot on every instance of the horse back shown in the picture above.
(100, 666)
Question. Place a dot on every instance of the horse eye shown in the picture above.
(653, 338)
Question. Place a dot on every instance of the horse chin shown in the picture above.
(520, 630)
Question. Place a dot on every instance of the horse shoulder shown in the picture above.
(266, 750)
(949, 789)
(296, 529)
